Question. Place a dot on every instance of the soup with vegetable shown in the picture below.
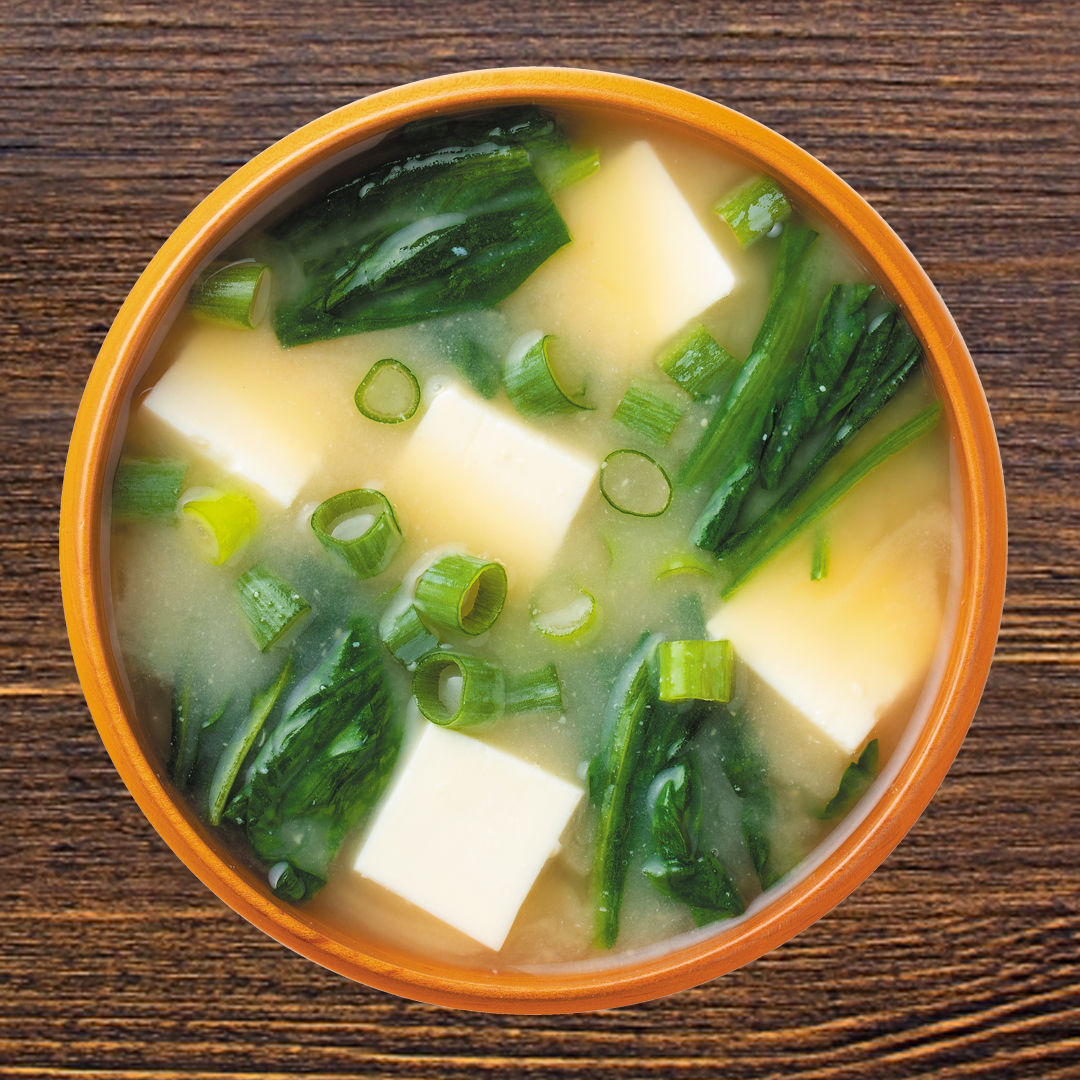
(532, 540)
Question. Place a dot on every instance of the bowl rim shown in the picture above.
(978, 467)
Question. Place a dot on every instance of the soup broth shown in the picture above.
(633, 522)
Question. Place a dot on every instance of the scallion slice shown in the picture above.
(388, 393)
(404, 634)
(530, 383)
(685, 563)
(570, 622)
(635, 484)
(819, 558)
(456, 690)
(237, 294)
(699, 364)
(243, 739)
(753, 210)
(538, 691)
(270, 606)
(145, 489)
(696, 670)
(221, 522)
(461, 592)
(360, 528)
(649, 413)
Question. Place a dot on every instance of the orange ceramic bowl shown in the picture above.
(856, 847)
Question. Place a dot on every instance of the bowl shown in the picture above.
(851, 852)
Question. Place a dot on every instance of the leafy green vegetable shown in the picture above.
(456, 224)
(270, 606)
(841, 323)
(641, 736)
(734, 438)
(855, 782)
(243, 739)
(679, 868)
(324, 766)
(747, 771)
(184, 746)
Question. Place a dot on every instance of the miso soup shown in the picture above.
(532, 540)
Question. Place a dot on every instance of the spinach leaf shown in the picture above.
(857, 778)
(678, 868)
(325, 765)
(457, 226)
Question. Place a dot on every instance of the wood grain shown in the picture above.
(960, 122)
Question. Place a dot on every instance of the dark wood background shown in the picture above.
(959, 122)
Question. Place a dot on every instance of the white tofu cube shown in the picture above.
(464, 832)
(475, 476)
(640, 265)
(845, 649)
(246, 405)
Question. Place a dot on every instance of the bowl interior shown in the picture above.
(858, 844)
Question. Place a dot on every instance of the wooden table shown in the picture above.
(959, 122)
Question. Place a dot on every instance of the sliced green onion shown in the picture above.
(635, 484)
(237, 294)
(538, 691)
(699, 364)
(360, 528)
(696, 670)
(461, 592)
(685, 563)
(270, 606)
(562, 168)
(819, 559)
(530, 383)
(222, 522)
(388, 393)
(648, 413)
(455, 690)
(891, 444)
(405, 636)
(243, 739)
(753, 210)
(146, 488)
(570, 622)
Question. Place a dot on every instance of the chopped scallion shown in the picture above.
(461, 592)
(145, 489)
(237, 294)
(633, 483)
(696, 670)
(753, 210)
(456, 690)
(530, 383)
(222, 522)
(648, 413)
(570, 622)
(685, 563)
(388, 393)
(538, 691)
(404, 634)
(699, 364)
(270, 606)
(243, 739)
(360, 528)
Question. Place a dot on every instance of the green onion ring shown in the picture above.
(370, 553)
(483, 689)
(461, 592)
(386, 372)
(530, 383)
(613, 474)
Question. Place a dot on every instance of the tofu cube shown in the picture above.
(246, 405)
(641, 264)
(844, 649)
(464, 832)
(476, 476)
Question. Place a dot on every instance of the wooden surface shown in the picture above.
(960, 956)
